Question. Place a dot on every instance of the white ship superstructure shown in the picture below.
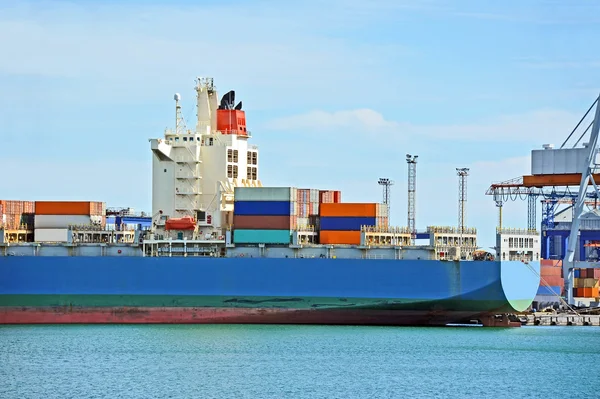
(194, 172)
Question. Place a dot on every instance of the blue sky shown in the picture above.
(335, 95)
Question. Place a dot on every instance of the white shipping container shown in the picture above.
(265, 194)
(382, 210)
(60, 221)
(51, 235)
(559, 161)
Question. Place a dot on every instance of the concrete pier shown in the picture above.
(562, 319)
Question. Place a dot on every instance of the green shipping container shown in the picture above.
(286, 194)
(241, 236)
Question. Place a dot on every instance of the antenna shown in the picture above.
(462, 174)
(411, 160)
(387, 188)
(180, 127)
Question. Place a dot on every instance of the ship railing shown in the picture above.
(516, 231)
(451, 230)
(386, 229)
(305, 229)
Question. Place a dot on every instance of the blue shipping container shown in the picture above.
(261, 236)
(543, 290)
(576, 272)
(346, 223)
(265, 208)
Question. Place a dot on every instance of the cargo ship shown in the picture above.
(219, 247)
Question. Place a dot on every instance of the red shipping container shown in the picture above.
(596, 273)
(337, 196)
(551, 262)
(583, 273)
(550, 271)
(553, 281)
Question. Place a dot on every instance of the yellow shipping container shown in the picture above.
(590, 282)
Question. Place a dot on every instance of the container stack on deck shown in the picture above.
(551, 274)
(264, 215)
(16, 215)
(586, 283)
(340, 223)
(308, 204)
(53, 218)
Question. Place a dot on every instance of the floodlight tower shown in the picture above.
(411, 160)
(387, 190)
(462, 199)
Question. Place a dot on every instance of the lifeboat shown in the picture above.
(184, 223)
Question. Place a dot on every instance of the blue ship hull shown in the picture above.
(56, 289)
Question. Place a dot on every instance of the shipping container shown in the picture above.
(576, 273)
(278, 194)
(348, 209)
(262, 222)
(314, 195)
(325, 197)
(64, 207)
(587, 292)
(241, 236)
(550, 271)
(60, 221)
(51, 235)
(382, 210)
(551, 262)
(339, 237)
(337, 197)
(589, 282)
(97, 208)
(303, 222)
(553, 280)
(597, 273)
(346, 223)
(543, 290)
(265, 208)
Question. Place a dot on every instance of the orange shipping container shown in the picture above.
(550, 271)
(339, 237)
(595, 292)
(551, 262)
(348, 209)
(63, 207)
(587, 292)
(553, 281)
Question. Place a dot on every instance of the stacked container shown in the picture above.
(16, 214)
(586, 283)
(53, 218)
(330, 197)
(551, 273)
(340, 223)
(308, 205)
(264, 215)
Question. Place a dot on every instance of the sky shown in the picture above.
(335, 95)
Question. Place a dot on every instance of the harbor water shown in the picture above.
(255, 361)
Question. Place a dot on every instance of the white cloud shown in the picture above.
(540, 126)
(132, 51)
(353, 120)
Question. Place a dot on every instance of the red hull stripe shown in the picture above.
(174, 315)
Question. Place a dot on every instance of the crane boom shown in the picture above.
(586, 176)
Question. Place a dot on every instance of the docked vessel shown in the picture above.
(221, 248)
